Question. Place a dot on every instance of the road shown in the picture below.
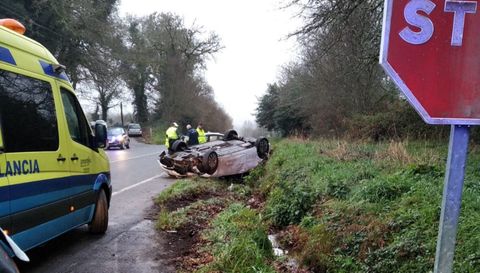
(130, 244)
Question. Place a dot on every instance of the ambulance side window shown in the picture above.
(77, 124)
(27, 110)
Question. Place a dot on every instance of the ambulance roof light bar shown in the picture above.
(14, 25)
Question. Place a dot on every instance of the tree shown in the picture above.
(337, 76)
(70, 29)
(164, 61)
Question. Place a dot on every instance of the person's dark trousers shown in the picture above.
(170, 146)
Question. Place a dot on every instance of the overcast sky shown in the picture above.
(253, 33)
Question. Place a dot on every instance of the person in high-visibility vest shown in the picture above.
(171, 136)
(201, 134)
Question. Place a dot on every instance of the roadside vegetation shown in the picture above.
(334, 206)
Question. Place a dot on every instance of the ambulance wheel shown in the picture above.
(99, 223)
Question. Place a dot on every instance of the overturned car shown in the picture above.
(223, 157)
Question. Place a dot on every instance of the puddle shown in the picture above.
(277, 251)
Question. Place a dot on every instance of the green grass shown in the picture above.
(192, 214)
(158, 134)
(239, 242)
(189, 189)
(380, 202)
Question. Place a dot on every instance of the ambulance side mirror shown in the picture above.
(100, 135)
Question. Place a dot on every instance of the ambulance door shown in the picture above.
(4, 189)
(36, 157)
(82, 156)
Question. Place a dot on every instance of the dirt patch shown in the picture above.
(185, 244)
(186, 200)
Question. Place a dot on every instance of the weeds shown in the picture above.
(239, 242)
(379, 203)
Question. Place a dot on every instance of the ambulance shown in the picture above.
(54, 174)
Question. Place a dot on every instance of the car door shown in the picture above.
(81, 155)
(35, 157)
(4, 189)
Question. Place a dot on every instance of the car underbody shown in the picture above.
(219, 158)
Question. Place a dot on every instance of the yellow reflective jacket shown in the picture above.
(201, 136)
(171, 134)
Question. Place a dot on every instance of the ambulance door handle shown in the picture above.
(74, 157)
(60, 158)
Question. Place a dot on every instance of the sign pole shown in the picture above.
(452, 198)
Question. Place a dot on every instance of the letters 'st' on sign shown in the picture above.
(431, 49)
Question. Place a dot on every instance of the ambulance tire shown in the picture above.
(7, 265)
(99, 223)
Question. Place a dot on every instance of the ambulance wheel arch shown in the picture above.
(101, 183)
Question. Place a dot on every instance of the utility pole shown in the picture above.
(121, 113)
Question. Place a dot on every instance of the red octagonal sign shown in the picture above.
(431, 49)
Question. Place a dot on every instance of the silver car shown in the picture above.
(230, 155)
(134, 129)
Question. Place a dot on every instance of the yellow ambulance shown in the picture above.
(54, 174)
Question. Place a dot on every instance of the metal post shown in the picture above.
(121, 113)
(452, 198)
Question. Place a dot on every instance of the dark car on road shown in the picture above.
(229, 155)
(117, 137)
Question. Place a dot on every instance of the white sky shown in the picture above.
(253, 33)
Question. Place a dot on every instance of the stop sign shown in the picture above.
(431, 50)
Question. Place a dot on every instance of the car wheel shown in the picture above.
(122, 146)
(128, 144)
(179, 146)
(99, 223)
(263, 147)
(230, 135)
(210, 162)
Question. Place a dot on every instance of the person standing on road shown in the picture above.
(201, 134)
(192, 135)
(171, 136)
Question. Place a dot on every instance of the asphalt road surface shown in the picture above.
(130, 244)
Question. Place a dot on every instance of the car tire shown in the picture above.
(210, 162)
(263, 147)
(122, 146)
(230, 135)
(179, 146)
(99, 223)
(128, 145)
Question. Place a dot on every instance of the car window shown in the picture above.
(134, 126)
(115, 131)
(77, 124)
(27, 112)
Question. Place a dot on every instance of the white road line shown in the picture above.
(135, 157)
(137, 184)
